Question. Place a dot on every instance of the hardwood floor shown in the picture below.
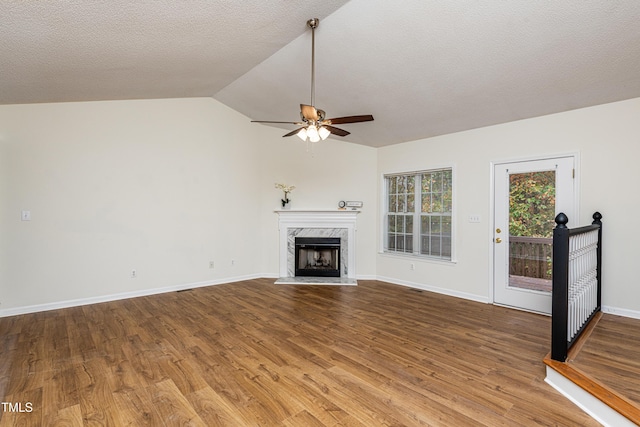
(611, 355)
(257, 354)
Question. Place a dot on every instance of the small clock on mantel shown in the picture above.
(349, 204)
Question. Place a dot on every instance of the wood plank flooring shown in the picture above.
(257, 354)
(611, 355)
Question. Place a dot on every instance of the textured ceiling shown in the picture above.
(80, 50)
(422, 68)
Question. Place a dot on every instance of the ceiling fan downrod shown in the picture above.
(313, 24)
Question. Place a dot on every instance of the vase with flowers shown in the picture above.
(286, 189)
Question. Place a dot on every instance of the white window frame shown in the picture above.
(416, 216)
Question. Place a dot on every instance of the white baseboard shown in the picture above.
(436, 289)
(124, 295)
(621, 312)
(114, 297)
(586, 401)
(367, 277)
(634, 314)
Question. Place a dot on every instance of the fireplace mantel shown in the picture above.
(317, 216)
(317, 222)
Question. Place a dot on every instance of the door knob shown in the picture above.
(498, 240)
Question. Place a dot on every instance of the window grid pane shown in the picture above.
(428, 196)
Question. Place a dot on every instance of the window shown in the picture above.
(418, 213)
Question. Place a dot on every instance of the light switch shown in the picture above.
(26, 215)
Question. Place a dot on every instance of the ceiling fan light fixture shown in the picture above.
(302, 134)
(323, 132)
(312, 133)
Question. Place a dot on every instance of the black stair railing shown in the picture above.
(577, 282)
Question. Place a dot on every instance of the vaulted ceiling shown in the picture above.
(421, 67)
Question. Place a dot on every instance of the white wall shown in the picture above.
(165, 186)
(116, 186)
(159, 186)
(607, 138)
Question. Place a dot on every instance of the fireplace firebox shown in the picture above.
(317, 256)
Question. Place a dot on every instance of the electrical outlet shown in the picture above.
(211, 264)
(412, 266)
(233, 262)
(133, 274)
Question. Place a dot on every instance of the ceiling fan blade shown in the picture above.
(336, 131)
(349, 119)
(309, 112)
(293, 132)
(269, 121)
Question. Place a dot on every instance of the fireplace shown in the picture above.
(336, 224)
(317, 256)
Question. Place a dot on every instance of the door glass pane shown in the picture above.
(532, 201)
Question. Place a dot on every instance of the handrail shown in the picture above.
(577, 281)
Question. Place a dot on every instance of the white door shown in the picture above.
(527, 196)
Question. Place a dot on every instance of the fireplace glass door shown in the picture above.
(317, 256)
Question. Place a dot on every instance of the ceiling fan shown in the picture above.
(314, 124)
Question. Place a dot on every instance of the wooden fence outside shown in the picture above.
(530, 256)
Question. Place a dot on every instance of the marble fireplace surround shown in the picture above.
(317, 223)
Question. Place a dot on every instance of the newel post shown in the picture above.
(597, 217)
(560, 290)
